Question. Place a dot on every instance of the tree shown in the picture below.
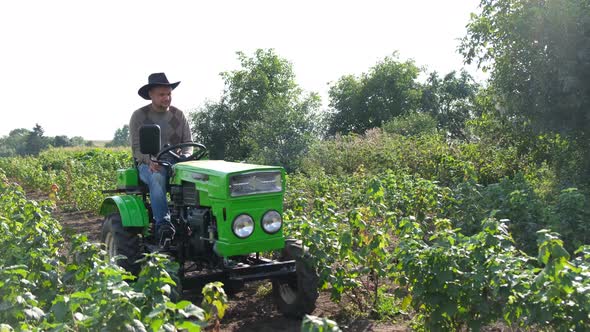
(346, 102)
(450, 101)
(263, 116)
(23, 142)
(36, 142)
(78, 141)
(15, 143)
(411, 124)
(388, 90)
(538, 52)
(210, 127)
(121, 137)
(61, 141)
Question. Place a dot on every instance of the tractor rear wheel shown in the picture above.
(296, 297)
(124, 241)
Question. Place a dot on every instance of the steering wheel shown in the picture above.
(198, 154)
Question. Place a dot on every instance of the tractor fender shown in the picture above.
(131, 208)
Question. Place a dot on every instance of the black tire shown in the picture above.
(124, 241)
(296, 297)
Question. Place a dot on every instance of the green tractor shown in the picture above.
(228, 224)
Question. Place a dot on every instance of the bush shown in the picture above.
(428, 156)
(411, 124)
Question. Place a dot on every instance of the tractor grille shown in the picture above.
(190, 195)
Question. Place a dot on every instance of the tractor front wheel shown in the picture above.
(296, 297)
(124, 241)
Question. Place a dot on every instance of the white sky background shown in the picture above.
(75, 67)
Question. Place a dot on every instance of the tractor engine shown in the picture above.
(195, 219)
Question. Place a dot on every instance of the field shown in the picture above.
(427, 201)
(406, 234)
(250, 310)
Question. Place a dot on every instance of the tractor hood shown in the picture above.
(221, 167)
(225, 180)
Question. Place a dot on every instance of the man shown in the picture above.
(174, 129)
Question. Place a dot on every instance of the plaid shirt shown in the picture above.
(174, 129)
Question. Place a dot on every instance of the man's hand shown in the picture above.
(184, 157)
(155, 167)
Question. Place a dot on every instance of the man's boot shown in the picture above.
(164, 235)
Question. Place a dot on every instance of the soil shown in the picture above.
(250, 312)
(251, 309)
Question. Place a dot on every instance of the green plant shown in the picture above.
(560, 292)
(80, 173)
(570, 218)
(214, 302)
(318, 324)
(43, 287)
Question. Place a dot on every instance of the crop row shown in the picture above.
(45, 285)
(398, 245)
(391, 243)
(79, 175)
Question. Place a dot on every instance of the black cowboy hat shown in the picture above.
(155, 79)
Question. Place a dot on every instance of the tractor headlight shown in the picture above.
(272, 222)
(255, 183)
(243, 226)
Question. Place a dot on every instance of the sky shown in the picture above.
(74, 67)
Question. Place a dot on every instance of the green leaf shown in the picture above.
(80, 316)
(189, 326)
(558, 251)
(183, 304)
(159, 309)
(16, 270)
(34, 313)
(137, 326)
(544, 255)
(81, 295)
(156, 324)
(220, 308)
(346, 239)
(59, 310)
(192, 310)
(406, 302)
(166, 289)
(6, 328)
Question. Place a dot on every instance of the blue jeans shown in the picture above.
(156, 182)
